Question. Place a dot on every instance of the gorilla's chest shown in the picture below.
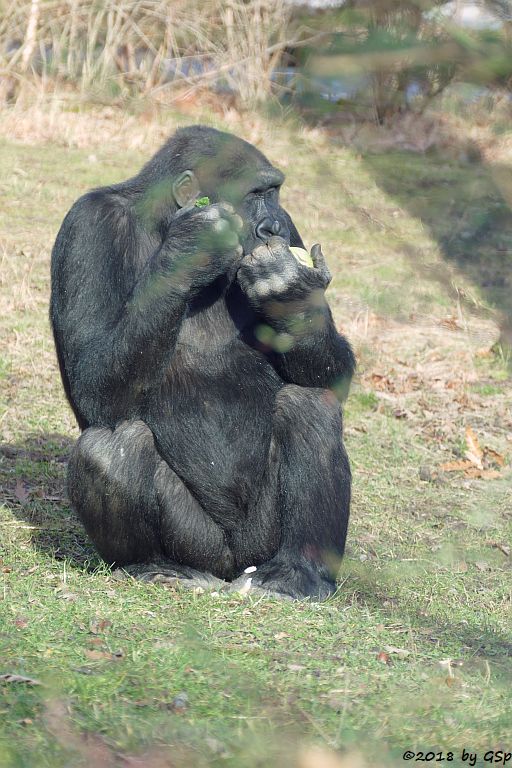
(213, 422)
(227, 393)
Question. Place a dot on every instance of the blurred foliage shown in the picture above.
(115, 49)
(376, 58)
(396, 56)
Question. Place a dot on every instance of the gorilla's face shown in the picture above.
(263, 217)
(252, 188)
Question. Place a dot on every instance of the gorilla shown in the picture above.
(201, 360)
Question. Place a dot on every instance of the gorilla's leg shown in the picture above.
(311, 493)
(138, 512)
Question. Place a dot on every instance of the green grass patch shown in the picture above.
(415, 649)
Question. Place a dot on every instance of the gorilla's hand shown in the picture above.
(201, 245)
(272, 273)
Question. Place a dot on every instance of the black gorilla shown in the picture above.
(203, 366)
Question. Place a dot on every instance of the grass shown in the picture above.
(415, 649)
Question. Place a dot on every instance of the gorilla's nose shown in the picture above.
(266, 228)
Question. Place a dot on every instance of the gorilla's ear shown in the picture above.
(295, 238)
(185, 188)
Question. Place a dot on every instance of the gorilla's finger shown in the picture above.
(277, 244)
(221, 226)
(267, 256)
(226, 206)
(318, 260)
(227, 213)
(235, 221)
(317, 256)
(209, 213)
(261, 252)
(230, 239)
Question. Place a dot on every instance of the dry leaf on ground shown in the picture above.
(473, 453)
(493, 456)
(502, 547)
(21, 492)
(99, 625)
(482, 474)
(320, 757)
(402, 653)
(96, 655)
(477, 461)
(11, 678)
(456, 466)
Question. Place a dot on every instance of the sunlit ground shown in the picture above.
(414, 651)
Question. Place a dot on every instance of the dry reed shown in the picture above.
(115, 48)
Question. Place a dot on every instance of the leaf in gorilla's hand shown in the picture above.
(302, 255)
(202, 202)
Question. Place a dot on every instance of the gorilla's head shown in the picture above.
(200, 161)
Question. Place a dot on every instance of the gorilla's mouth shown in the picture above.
(250, 245)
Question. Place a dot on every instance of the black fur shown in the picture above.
(200, 359)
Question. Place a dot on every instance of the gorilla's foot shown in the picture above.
(172, 574)
(291, 580)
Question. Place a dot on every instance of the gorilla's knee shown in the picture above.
(312, 413)
(110, 480)
(101, 451)
(91, 451)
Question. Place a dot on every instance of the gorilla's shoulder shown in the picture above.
(102, 201)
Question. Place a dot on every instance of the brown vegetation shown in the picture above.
(116, 49)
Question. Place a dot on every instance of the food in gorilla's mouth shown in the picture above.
(202, 202)
(302, 255)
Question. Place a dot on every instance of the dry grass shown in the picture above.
(145, 47)
(420, 624)
(61, 118)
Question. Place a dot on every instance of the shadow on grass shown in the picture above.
(385, 595)
(465, 206)
(33, 484)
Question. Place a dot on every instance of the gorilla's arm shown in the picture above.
(319, 357)
(120, 295)
(290, 297)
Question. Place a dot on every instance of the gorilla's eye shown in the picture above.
(270, 193)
